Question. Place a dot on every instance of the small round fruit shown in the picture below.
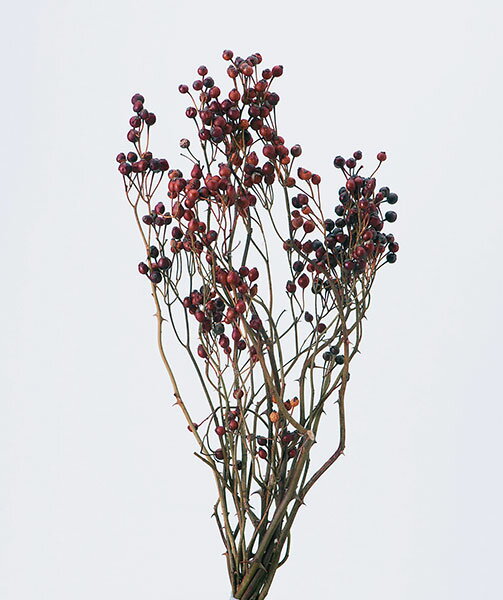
(155, 277)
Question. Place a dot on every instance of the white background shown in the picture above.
(101, 497)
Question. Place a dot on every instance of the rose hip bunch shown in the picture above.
(217, 246)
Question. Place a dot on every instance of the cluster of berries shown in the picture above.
(289, 442)
(159, 265)
(131, 163)
(351, 243)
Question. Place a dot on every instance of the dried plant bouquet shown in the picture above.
(265, 293)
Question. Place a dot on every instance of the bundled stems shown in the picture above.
(266, 299)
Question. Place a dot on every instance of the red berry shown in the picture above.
(381, 156)
(233, 425)
(253, 274)
(262, 453)
(269, 151)
(351, 185)
(220, 430)
(303, 281)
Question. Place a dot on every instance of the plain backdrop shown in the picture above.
(101, 497)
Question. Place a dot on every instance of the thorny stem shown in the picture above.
(258, 366)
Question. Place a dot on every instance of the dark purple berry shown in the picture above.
(137, 98)
(390, 216)
(138, 106)
(143, 268)
(164, 262)
(125, 168)
(150, 119)
(133, 135)
(155, 277)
